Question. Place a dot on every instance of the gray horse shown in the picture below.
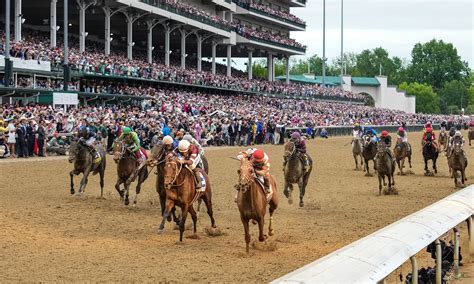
(385, 166)
(357, 151)
(295, 172)
(84, 163)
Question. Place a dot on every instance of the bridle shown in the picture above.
(177, 168)
(290, 153)
(245, 175)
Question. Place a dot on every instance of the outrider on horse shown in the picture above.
(88, 158)
(297, 166)
(252, 199)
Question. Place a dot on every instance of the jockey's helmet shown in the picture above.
(458, 134)
(258, 156)
(167, 140)
(183, 146)
(428, 125)
(452, 131)
(188, 137)
(295, 135)
(401, 129)
(429, 130)
(126, 130)
(385, 133)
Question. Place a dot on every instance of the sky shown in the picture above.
(396, 25)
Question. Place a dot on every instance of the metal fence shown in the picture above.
(347, 130)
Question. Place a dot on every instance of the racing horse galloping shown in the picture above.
(295, 171)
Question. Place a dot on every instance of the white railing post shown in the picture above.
(438, 262)
(456, 252)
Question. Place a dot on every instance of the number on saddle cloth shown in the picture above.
(203, 181)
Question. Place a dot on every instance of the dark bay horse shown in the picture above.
(84, 163)
(385, 167)
(357, 151)
(252, 201)
(180, 190)
(127, 166)
(368, 152)
(295, 172)
(401, 152)
(457, 162)
(159, 154)
(430, 153)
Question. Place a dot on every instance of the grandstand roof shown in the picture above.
(365, 81)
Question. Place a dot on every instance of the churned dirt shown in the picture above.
(48, 235)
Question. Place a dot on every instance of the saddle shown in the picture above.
(267, 191)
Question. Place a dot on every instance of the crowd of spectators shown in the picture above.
(260, 6)
(36, 46)
(252, 32)
(211, 119)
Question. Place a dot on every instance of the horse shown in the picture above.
(401, 152)
(369, 151)
(470, 134)
(457, 162)
(385, 166)
(127, 166)
(443, 140)
(180, 190)
(252, 201)
(84, 163)
(295, 172)
(429, 153)
(357, 151)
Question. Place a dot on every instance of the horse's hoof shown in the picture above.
(160, 231)
(126, 202)
(271, 232)
(168, 219)
(72, 192)
(286, 193)
(290, 200)
(301, 204)
(77, 194)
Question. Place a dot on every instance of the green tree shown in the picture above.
(301, 66)
(437, 62)
(454, 93)
(259, 69)
(427, 101)
(471, 95)
(373, 62)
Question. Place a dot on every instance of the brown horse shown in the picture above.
(401, 152)
(369, 151)
(457, 162)
(83, 163)
(127, 166)
(180, 190)
(385, 166)
(443, 140)
(470, 134)
(252, 201)
(357, 151)
(295, 172)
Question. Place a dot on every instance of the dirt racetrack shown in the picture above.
(48, 235)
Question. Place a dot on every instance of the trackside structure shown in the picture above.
(373, 258)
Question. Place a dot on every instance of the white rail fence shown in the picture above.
(372, 258)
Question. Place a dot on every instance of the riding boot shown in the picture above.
(197, 179)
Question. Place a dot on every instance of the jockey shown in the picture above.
(457, 136)
(261, 165)
(300, 145)
(429, 130)
(193, 141)
(357, 131)
(403, 137)
(88, 137)
(133, 143)
(169, 143)
(191, 157)
(369, 131)
(387, 140)
(443, 126)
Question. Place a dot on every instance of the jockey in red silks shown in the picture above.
(191, 157)
(429, 132)
(261, 165)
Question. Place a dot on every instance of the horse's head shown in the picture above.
(119, 150)
(171, 171)
(73, 151)
(366, 140)
(290, 148)
(457, 146)
(246, 174)
(381, 147)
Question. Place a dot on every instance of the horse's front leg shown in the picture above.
(183, 221)
(301, 186)
(71, 174)
(245, 222)
(380, 184)
(117, 187)
(84, 180)
(169, 206)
